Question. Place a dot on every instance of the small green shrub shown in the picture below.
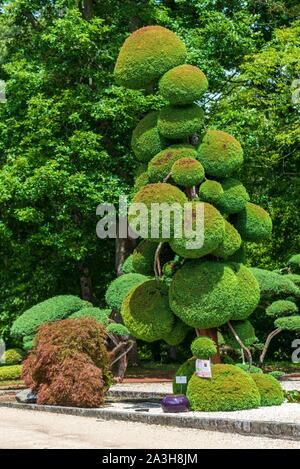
(118, 329)
(186, 369)
(13, 356)
(277, 374)
(281, 308)
(269, 388)
(101, 315)
(203, 348)
(12, 372)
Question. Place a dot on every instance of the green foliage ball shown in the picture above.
(146, 55)
(118, 329)
(28, 342)
(247, 294)
(229, 389)
(295, 278)
(177, 334)
(146, 312)
(294, 264)
(203, 295)
(214, 232)
(253, 223)
(101, 315)
(186, 369)
(160, 166)
(211, 191)
(13, 356)
(183, 84)
(291, 323)
(143, 257)
(281, 308)
(53, 309)
(179, 122)
(127, 267)
(246, 333)
(274, 285)
(187, 172)
(10, 373)
(203, 348)
(230, 243)
(269, 388)
(220, 153)
(234, 197)
(119, 288)
(140, 181)
(146, 140)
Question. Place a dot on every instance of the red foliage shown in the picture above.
(70, 364)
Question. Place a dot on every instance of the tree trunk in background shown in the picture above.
(124, 247)
(87, 9)
(212, 334)
(85, 283)
(173, 352)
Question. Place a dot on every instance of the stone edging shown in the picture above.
(281, 430)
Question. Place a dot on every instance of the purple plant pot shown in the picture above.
(175, 403)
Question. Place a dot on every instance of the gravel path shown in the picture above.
(31, 429)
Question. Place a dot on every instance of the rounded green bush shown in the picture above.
(274, 285)
(101, 315)
(140, 181)
(127, 267)
(119, 288)
(253, 223)
(269, 388)
(186, 369)
(246, 333)
(156, 193)
(295, 278)
(229, 389)
(146, 55)
(203, 295)
(118, 329)
(234, 197)
(183, 84)
(214, 232)
(187, 172)
(247, 294)
(13, 356)
(230, 243)
(294, 264)
(179, 122)
(143, 257)
(146, 312)
(9, 373)
(210, 191)
(277, 374)
(281, 308)
(291, 323)
(146, 141)
(203, 348)
(28, 342)
(245, 367)
(177, 334)
(220, 154)
(160, 166)
(53, 309)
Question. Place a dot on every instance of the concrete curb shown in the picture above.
(282, 430)
(118, 395)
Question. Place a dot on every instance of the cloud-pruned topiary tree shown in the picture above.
(203, 287)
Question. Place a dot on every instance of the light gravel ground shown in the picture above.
(32, 429)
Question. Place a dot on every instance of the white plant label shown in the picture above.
(181, 380)
(203, 368)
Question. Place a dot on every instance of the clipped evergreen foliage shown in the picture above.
(10, 373)
(101, 315)
(186, 369)
(276, 374)
(203, 348)
(247, 294)
(53, 309)
(187, 172)
(28, 342)
(252, 369)
(253, 223)
(295, 278)
(281, 308)
(269, 388)
(177, 334)
(146, 55)
(239, 256)
(203, 295)
(183, 84)
(13, 356)
(156, 193)
(246, 333)
(230, 388)
(146, 312)
(127, 267)
(291, 323)
(210, 191)
(220, 154)
(294, 264)
(119, 288)
(234, 197)
(140, 181)
(160, 166)
(274, 285)
(146, 140)
(230, 243)
(143, 257)
(214, 232)
(118, 329)
(179, 122)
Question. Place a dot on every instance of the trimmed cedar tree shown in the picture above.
(203, 283)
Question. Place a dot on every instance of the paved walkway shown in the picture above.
(32, 429)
